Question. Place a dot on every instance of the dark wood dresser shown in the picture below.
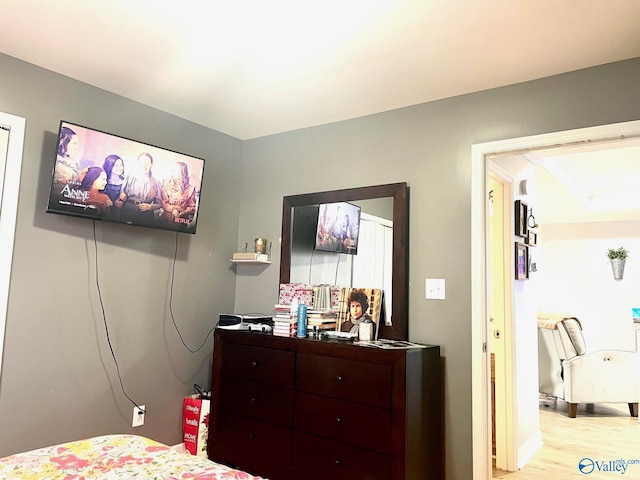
(307, 409)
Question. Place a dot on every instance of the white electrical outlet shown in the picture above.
(138, 416)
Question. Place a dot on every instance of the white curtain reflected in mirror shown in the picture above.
(372, 266)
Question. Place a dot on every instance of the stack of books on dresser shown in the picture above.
(321, 320)
(285, 323)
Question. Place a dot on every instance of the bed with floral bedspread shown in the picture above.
(114, 457)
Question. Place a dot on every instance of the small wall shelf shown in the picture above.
(254, 262)
(265, 258)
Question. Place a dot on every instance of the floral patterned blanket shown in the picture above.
(114, 457)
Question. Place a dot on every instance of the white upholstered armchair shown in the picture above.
(567, 371)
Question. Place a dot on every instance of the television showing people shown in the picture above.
(178, 196)
(140, 196)
(338, 228)
(114, 168)
(93, 181)
(67, 168)
(104, 176)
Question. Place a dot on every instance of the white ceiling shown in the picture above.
(591, 183)
(251, 68)
(580, 183)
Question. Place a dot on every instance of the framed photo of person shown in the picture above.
(357, 305)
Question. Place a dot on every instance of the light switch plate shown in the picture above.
(434, 289)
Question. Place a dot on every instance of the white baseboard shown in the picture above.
(530, 447)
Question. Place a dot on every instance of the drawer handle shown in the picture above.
(252, 436)
(254, 363)
(254, 399)
(340, 378)
(338, 462)
(339, 419)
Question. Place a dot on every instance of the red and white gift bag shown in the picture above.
(195, 424)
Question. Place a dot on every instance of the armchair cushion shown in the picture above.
(573, 330)
(606, 376)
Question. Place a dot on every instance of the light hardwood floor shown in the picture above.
(601, 432)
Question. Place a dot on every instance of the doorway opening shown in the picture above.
(481, 326)
(11, 145)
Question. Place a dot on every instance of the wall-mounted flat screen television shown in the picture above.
(338, 228)
(103, 176)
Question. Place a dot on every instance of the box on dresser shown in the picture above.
(309, 409)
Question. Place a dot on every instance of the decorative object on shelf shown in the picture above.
(522, 261)
(531, 220)
(617, 257)
(521, 211)
(260, 245)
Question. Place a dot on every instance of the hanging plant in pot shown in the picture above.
(617, 257)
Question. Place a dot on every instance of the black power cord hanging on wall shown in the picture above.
(106, 326)
(173, 271)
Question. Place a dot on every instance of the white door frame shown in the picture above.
(500, 303)
(481, 383)
(9, 188)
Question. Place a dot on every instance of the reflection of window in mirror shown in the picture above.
(373, 265)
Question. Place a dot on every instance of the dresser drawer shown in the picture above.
(256, 400)
(257, 447)
(358, 425)
(360, 382)
(315, 458)
(263, 365)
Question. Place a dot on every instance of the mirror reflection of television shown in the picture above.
(102, 176)
(338, 228)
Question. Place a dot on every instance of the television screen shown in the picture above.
(338, 228)
(106, 177)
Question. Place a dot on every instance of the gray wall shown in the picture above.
(429, 146)
(59, 380)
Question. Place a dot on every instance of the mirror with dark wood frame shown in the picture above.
(398, 326)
